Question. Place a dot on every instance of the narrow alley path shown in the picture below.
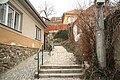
(24, 71)
(60, 57)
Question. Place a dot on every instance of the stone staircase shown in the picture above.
(61, 71)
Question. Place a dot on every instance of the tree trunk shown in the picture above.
(100, 37)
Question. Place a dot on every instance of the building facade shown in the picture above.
(21, 25)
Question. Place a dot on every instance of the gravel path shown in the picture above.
(24, 71)
(60, 56)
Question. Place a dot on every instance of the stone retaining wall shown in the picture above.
(13, 55)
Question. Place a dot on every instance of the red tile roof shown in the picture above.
(56, 27)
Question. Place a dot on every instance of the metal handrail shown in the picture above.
(38, 62)
(42, 53)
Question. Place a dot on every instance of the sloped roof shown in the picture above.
(56, 27)
(75, 11)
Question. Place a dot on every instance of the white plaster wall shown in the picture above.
(28, 22)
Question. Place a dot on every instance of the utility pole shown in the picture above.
(100, 35)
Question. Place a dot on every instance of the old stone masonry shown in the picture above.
(11, 55)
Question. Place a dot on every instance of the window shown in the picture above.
(16, 23)
(38, 33)
(2, 13)
(10, 17)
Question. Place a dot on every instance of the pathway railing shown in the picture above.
(37, 58)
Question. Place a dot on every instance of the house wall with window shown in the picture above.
(20, 24)
(70, 16)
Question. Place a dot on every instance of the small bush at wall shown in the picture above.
(63, 34)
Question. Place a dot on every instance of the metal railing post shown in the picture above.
(42, 54)
(38, 65)
(38, 62)
(37, 58)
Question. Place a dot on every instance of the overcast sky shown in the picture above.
(60, 6)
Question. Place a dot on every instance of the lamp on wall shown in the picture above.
(3, 1)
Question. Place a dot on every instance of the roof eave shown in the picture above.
(37, 14)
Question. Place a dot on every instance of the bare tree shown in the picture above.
(48, 9)
(86, 20)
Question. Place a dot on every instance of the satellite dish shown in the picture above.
(3, 1)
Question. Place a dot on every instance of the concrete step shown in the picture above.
(60, 66)
(59, 75)
(60, 70)
(53, 78)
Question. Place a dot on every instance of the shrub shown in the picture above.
(63, 34)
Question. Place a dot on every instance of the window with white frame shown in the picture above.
(2, 13)
(38, 33)
(17, 21)
(9, 16)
